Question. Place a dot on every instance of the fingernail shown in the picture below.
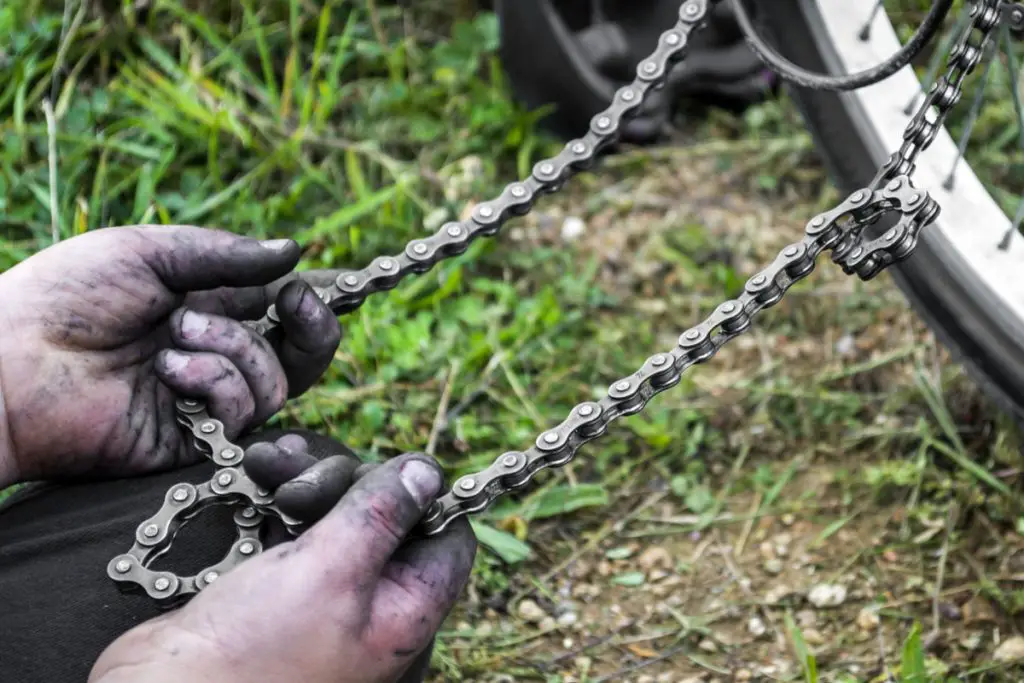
(193, 324)
(175, 361)
(421, 481)
(292, 443)
(276, 245)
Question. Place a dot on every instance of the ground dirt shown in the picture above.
(647, 590)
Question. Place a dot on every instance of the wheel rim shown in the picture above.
(971, 224)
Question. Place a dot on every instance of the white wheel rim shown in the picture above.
(971, 221)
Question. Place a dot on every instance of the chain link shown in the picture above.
(891, 193)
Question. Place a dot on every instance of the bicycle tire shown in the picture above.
(945, 280)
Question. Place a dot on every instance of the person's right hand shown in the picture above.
(350, 600)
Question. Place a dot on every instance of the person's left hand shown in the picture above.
(102, 333)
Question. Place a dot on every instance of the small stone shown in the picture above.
(972, 641)
(767, 550)
(572, 228)
(806, 618)
(813, 636)
(567, 619)
(580, 569)
(788, 519)
(868, 619)
(665, 677)
(531, 611)
(583, 663)
(548, 624)
(645, 679)
(653, 557)
(744, 675)
(950, 611)
(845, 346)
(567, 643)
(708, 645)
(1010, 650)
(978, 610)
(777, 594)
(773, 566)
(827, 595)
(586, 591)
(756, 627)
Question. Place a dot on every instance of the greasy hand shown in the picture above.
(101, 333)
(346, 602)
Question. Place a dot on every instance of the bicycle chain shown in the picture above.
(839, 230)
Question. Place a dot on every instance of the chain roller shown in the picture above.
(839, 230)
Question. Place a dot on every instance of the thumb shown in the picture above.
(374, 517)
(188, 258)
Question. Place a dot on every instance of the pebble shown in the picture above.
(950, 611)
(567, 619)
(586, 591)
(580, 569)
(756, 627)
(572, 228)
(777, 594)
(655, 557)
(531, 611)
(548, 624)
(665, 677)
(1010, 650)
(773, 566)
(813, 636)
(868, 619)
(708, 645)
(645, 678)
(788, 519)
(827, 595)
(806, 617)
(978, 610)
(845, 345)
(972, 641)
(583, 663)
(744, 675)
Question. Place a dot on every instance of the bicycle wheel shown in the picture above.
(967, 289)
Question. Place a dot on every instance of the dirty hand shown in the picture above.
(351, 600)
(102, 333)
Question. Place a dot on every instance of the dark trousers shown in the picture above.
(58, 608)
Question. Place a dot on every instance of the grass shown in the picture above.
(839, 423)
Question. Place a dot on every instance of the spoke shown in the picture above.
(972, 118)
(935, 63)
(1007, 43)
(865, 30)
